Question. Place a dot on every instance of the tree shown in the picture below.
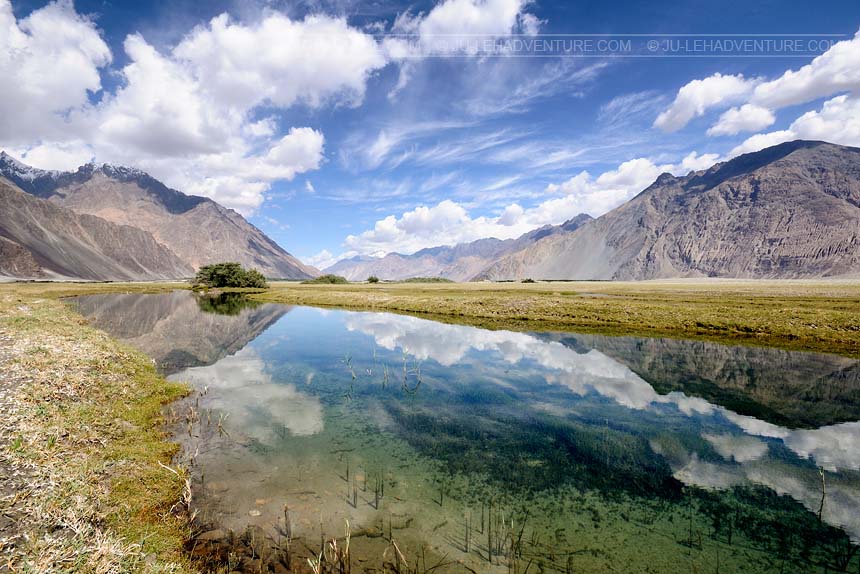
(373, 279)
(229, 274)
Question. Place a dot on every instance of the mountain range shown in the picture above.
(788, 211)
(459, 262)
(115, 223)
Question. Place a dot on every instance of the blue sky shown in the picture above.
(344, 128)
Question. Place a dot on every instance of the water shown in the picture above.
(506, 452)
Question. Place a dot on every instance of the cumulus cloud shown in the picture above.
(50, 62)
(838, 121)
(449, 222)
(747, 118)
(834, 73)
(698, 96)
(187, 115)
(837, 70)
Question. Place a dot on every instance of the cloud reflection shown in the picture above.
(258, 407)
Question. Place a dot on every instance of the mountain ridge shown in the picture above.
(791, 210)
(458, 262)
(197, 229)
(41, 240)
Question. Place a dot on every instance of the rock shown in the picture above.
(212, 535)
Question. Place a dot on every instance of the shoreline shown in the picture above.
(798, 315)
(83, 447)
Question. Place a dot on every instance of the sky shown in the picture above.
(344, 128)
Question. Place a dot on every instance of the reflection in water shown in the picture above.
(430, 433)
(262, 408)
(170, 328)
(225, 303)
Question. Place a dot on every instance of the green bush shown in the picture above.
(373, 279)
(528, 280)
(229, 274)
(328, 278)
(426, 280)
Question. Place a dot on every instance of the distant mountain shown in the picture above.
(458, 262)
(41, 240)
(198, 230)
(792, 210)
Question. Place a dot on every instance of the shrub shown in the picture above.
(229, 274)
(528, 280)
(426, 280)
(373, 279)
(327, 278)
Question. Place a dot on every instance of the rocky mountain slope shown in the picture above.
(458, 262)
(40, 240)
(198, 230)
(792, 210)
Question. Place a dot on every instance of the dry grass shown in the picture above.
(81, 440)
(802, 315)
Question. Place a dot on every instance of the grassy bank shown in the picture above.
(802, 315)
(81, 443)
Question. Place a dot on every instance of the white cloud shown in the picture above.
(698, 96)
(695, 162)
(838, 121)
(453, 25)
(187, 115)
(449, 222)
(837, 70)
(747, 118)
(612, 188)
(62, 156)
(321, 260)
(761, 141)
(49, 62)
(281, 61)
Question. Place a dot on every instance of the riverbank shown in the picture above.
(83, 453)
(817, 315)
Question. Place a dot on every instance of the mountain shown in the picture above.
(198, 230)
(789, 211)
(458, 262)
(41, 240)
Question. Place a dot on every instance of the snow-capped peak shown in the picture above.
(121, 171)
(9, 166)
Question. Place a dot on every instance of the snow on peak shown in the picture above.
(121, 171)
(9, 166)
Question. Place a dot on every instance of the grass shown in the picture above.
(88, 446)
(798, 315)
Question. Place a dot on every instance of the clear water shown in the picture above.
(499, 451)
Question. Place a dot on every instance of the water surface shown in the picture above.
(506, 451)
